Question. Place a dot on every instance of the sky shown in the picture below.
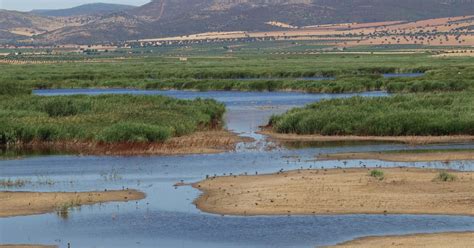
(27, 5)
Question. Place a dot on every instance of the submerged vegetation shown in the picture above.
(106, 118)
(399, 115)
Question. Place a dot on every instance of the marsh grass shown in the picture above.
(106, 118)
(349, 73)
(424, 114)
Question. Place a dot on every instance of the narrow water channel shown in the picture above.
(167, 217)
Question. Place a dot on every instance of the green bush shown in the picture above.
(377, 174)
(445, 177)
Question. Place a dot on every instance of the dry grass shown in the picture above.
(339, 191)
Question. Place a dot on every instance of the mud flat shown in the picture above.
(439, 240)
(413, 140)
(30, 203)
(339, 191)
(204, 142)
(412, 156)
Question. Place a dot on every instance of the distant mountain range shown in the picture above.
(86, 9)
(160, 18)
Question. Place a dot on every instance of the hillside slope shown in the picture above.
(86, 9)
(161, 18)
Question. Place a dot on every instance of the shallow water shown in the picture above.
(403, 75)
(167, 217)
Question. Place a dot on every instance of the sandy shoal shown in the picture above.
(413, 140)
(339, 191)
(435, 240)
(403, 156)
(30, 203)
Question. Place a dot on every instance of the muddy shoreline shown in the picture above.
(203, 142)
(412, 156)
(339, 191)
(441, 240)
(32, 203)
(411, 140)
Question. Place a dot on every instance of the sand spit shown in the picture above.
(435, 240)
(31, 203)
(412, 156)
(339, 191)
(412, 140)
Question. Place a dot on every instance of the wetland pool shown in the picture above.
(167, 217)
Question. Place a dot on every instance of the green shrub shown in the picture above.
(377, 174)
(445, 177)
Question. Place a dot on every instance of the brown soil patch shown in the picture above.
(435, 240)
(413, 140)
(403, 156)
(339, 191)
(31, 203)
(196, 143)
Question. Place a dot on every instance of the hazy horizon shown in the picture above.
(28, 5)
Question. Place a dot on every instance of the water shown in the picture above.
(167, 217)
(403, 75)
(316, 78)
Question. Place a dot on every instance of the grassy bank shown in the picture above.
(348, 73)
(401, 115)
(107, 119)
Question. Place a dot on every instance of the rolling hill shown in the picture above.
(86, 9)
(161, 18)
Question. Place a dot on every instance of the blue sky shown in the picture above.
(27, 5)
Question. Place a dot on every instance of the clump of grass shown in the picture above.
(63, 209)
(58, 107)
(377, 174)
(445, 177)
